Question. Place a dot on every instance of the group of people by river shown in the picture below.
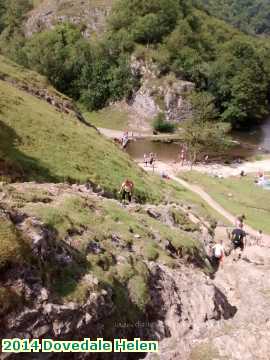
(150, 159)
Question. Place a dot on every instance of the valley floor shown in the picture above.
(215, 194)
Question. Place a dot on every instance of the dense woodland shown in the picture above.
(230, 66)
(252, 16)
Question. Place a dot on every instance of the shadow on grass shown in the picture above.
(14, 164)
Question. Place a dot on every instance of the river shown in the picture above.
(252, 143)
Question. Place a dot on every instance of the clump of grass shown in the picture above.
(110, 118)
(151, 251)
(139, 292)
(9, 300)
(13, 250)
(182, 220)
(125, 272)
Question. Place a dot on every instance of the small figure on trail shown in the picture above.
(259, 237)
(145, 160)
(152, 159)
(206, 159)
(242, 173)
(125, 139)
(182, 155)
(218, 254)
(238, 238)
(165, 176)
(127, 190)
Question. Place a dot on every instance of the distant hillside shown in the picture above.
(252, 16)
(153, 54)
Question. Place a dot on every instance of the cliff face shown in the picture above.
(89, 14)
(241, 305)
(159, 93)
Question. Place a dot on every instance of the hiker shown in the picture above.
(127, 190)
(152, 159)
(182, 155)
(238, 238)
(145, 160)
(258, 238)
(125, 139)
(218, 254)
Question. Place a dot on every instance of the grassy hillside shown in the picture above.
(37, 142)
(42, 144)
(238, 196)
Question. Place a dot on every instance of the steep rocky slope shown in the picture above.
(76, 264)
(244, 332)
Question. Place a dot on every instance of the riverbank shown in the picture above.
(140, 135)
(217, 170)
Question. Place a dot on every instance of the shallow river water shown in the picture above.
(253, 142)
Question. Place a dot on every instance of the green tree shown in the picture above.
(2, 13)
(160, 124)
(202, 132)
(147, 20)
(15, 11)
(239, 80)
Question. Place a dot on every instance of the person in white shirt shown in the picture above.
(218, 254)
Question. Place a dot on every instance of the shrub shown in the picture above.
(160, 124)
(139, 292)
(151, 252)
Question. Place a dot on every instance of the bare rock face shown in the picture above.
(89, 14)
(160, 93)
(224, 319)
(189, 304)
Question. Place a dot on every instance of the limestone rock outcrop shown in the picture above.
(160, 93)
(91, 16)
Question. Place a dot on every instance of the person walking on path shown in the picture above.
(238, 238)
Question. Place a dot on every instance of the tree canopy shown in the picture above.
(252, 16)
(233, 67)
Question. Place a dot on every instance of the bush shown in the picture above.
(151, 252)
(12, 247)
(139, 292)
(160, 124)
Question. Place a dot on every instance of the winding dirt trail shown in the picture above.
(162, 167)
